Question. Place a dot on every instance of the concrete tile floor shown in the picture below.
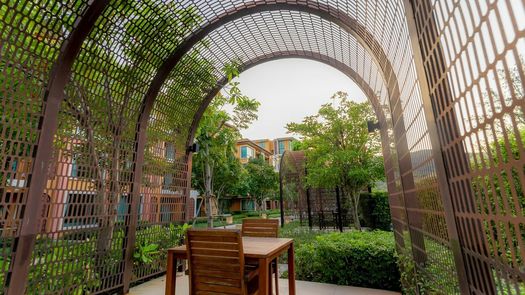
(156, 287)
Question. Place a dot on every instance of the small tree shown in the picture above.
(217, 133)
(339, 149)
(262, 180)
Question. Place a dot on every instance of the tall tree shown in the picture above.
(339, 149)
(217, 133)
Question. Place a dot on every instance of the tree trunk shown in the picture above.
(107, 206)
(355, 200)
(207, 187)
(352, 199)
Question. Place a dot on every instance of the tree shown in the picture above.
(339, 149)
(262, 181)
(217, 133)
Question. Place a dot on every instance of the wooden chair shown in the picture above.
(216, 263)
(264, 228)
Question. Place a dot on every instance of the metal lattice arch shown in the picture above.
(96, 95)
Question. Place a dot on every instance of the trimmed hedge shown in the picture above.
(364, 259)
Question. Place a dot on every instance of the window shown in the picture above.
(80, 210)
(14, 165)
(168, 181)
(247, 205)
(169, 151)
(78, 169)
(281, 147)
(262, 144)
(14, 173)
(170, 209)
(123, 207)
(247, 152)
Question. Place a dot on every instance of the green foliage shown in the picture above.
(375, 210)
(504, 196)
(436, 276)
(144, 253)
(67, 265)
(340, 150)
(300, 234)
(407, 267)
(364, 259)
(262, 181)
(216, 170)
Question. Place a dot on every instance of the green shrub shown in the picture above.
(364, 259)
(375, 211)
(300, 234)
(381, 211)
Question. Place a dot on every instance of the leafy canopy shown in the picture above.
(339, 148)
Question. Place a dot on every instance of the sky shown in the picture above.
(289, 90)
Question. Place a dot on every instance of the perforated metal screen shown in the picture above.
(100, 99)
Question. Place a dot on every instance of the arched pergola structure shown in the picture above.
(100, 101)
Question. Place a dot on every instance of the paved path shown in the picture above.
(156, 287)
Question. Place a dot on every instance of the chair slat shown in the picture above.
(206, 245)
(216, 262)
(268, 228)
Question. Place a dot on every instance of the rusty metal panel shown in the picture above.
(32, 37)
(163, 202)
(473, 55)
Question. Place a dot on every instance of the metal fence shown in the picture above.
(100, 100)
(320, 207)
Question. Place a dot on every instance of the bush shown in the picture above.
(364, 259)
(375, 211)
(300, 234)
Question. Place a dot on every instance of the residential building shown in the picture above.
(71, 199)
(246, 149)
(280, 146)
(276, 147)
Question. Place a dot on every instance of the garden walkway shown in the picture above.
(156, 287)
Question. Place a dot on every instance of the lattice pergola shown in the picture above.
(292, 186)
(100, 100)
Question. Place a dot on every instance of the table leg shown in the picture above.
(291, 271)
(263, 276)
(171, 274)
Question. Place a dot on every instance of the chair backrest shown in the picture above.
(265, 228)
(216, 261)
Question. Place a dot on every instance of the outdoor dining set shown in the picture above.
(231, 261)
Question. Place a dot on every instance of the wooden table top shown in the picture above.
(252, 247)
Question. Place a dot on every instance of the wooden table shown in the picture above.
(263, 250)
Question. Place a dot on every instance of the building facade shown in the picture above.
(246, 149)
(276, 147)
